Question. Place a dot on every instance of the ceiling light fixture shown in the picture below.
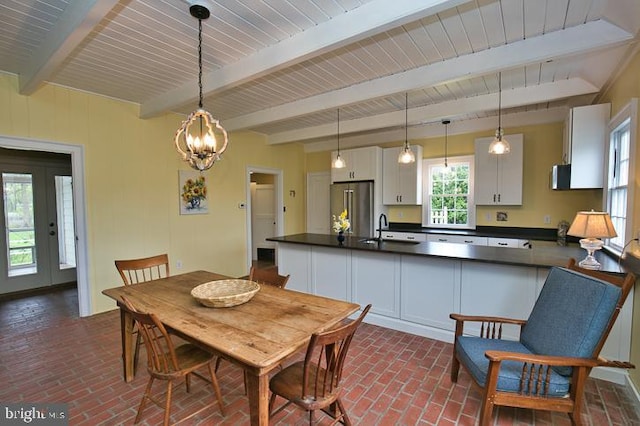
(339, 163)
(499, 145)
(406, 154)
(446, 141)
(201, 139)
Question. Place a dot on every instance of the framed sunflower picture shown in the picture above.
(193, 193)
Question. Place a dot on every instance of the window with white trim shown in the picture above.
(618, 196)
(448, 193)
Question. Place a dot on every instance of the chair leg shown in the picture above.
(455, 367)
(145, 397)
(136, 354)
(167, 405)
(343, 413)
(216, 387)
(187, 382)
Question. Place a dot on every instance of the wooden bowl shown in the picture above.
(225, 293)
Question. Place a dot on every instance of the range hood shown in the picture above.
(561, 176)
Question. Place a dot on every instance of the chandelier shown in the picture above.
(499, 145)
(201, 139)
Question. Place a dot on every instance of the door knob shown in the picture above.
(52, 232)
(52, 224)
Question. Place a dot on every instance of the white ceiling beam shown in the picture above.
(458, 107)
(580, 39)
(371, 18)
(78, 20)
(434, 130)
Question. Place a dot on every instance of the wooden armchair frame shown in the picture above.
(537, 369)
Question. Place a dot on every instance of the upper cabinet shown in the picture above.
(585, 134)
(498, 178)
(401, 183)
(361, 164)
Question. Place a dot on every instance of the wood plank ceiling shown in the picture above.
(284, 67)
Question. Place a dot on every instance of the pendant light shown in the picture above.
(339, 163)
(406, 155)
(499, 145)
(200, 139)
(446, 141)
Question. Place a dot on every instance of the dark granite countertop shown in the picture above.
(543, 254)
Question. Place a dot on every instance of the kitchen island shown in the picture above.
(415, 286)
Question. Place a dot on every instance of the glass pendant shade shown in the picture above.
(201, 139)
(499, 145)
(406, 155)
(446, 143)
(338, 162)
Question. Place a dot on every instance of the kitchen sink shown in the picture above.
(376, 241)
(369, 241)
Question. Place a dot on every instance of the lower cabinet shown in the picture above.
(429, 291)
(416, 294)
(375, 279)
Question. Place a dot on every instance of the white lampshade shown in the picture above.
(592, 225)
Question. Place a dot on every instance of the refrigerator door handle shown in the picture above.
(349, 207)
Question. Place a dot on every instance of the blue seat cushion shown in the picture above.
(471, 352)
(570, 315)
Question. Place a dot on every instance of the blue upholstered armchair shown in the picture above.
(559, 344)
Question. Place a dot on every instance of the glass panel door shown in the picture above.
(20, 233)
(61, 226)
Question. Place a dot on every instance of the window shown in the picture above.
(448, 198)
(619, 166)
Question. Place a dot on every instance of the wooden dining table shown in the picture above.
(257, 335)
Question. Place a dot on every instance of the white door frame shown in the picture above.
(77, 172)
(278, 183)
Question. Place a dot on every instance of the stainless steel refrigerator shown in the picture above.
(357, 198)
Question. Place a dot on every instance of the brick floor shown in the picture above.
(49, 354)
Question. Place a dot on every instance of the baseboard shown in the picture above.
(412, 328)
(634, 390)
(615, 375)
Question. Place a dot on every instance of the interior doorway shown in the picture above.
(264, 214)
(76, 153)
(37, 219)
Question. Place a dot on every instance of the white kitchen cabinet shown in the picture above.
(404, 236)
(330, 273)
(401, 183)
(430, 291)
(369, 269)
(490, 289)
(457, 239)
(507, 242)
(295, 261)
(361, 164)
(585, 134)
(498, 178)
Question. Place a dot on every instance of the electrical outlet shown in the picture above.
(547, 219)
(178, 264)
(488, 217)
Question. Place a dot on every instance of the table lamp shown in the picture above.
(591, 226)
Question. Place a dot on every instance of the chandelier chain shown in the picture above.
(200, 61)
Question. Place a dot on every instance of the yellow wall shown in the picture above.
(625, 87)
(132, 182)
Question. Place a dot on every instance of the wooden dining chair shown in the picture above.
(171, 363)
(559, 344)
(315, 383)
(268, 276)
(134, 271)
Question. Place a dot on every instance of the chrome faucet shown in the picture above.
(382, 216)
